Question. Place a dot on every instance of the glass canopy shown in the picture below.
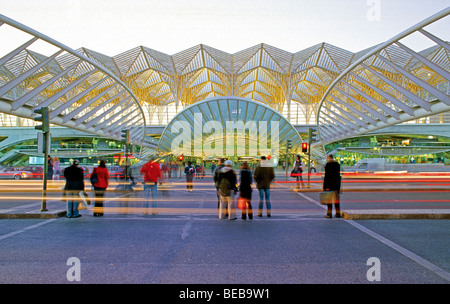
(228, 126)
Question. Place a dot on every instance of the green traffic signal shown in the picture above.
(289, 144)
(126, 136)
(312, 135)
(45, 127)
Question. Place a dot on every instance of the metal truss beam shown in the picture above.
(389, 85)
(71, 84)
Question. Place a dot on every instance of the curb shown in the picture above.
(373, 189)
(35, 214)
(386, 214)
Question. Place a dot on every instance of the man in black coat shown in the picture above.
(74, 184)
(332, 182)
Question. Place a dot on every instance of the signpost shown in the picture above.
(312, 133)
(43, 147)
(288, 147)
(126, 140)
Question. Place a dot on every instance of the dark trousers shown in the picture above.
(337, 207)
(99, 196)
(189, 183)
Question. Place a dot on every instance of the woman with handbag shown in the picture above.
(245, 192)
(100, 181)
(297, 171)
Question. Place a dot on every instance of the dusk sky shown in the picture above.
(112, 27)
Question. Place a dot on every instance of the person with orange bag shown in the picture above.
(245, 192)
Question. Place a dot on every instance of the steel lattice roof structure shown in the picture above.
(346, 93)
(388, 85)
(79, 92)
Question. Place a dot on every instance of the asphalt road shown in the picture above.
(186, 243)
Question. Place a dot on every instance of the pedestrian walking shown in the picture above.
(245, 191)
(74, 184)
(227, 189)
(332, 182)
(190, 173)
(101, 174)
(198, 171)
(298, 171)
(152, 173)
(263, 176)
(202, 166)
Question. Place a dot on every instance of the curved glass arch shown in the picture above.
(391, 84)
(228, 126)
(80, 93)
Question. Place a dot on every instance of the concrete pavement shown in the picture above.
(387, 182)
(186, 243)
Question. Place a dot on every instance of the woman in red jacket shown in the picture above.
(100, 187)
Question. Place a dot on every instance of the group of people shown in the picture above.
(225, 180)
(75, 184)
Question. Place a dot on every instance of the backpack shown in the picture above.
(224, 187)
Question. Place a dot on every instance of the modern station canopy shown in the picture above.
(228, 126)
(346, 94)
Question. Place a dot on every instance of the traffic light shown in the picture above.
(180, 158)
(289, 144)
(269, 157)
(304, 147)
(312, 135)
(126, 136)
(45, 127)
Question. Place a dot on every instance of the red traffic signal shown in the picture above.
(180, 158)
(269, 157)
(304, 147)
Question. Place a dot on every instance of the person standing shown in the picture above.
(298, 171)
(216, 172)
(332, 182)
(198, 171)
(100, 187)
(152, 174)
(74, 184)
(49, 168)
(264, 175)
(56, 171)
(227, 189)
(190, 173)
(245, 190)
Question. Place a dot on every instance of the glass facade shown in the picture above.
(229, 127)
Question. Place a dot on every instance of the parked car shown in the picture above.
(37, 172)
(86, 172)
(368, 165)
(15, 173)
(116, 172)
